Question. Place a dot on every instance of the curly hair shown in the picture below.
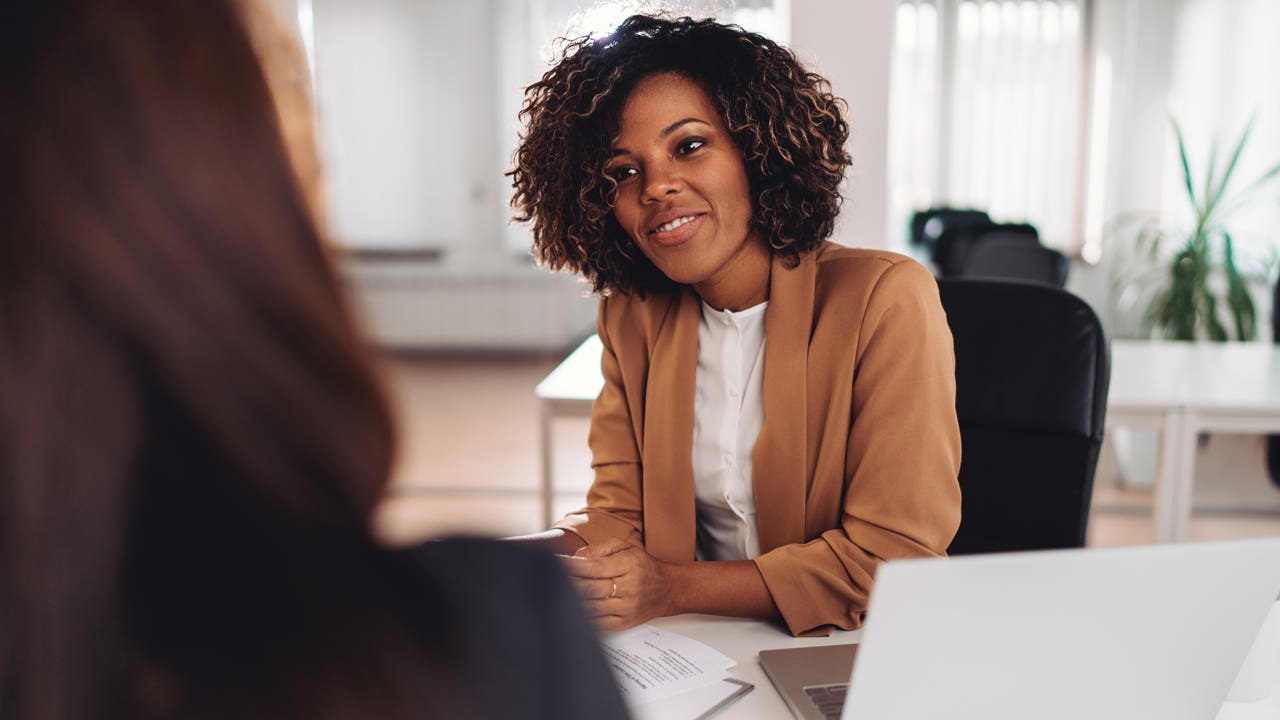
(784, 119)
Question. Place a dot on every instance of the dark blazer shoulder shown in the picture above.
(520, 626)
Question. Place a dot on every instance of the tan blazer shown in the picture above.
(858, 456)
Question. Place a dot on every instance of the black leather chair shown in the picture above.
(1032, 370)
(928, 225)
(1014, 256)
(957, 242)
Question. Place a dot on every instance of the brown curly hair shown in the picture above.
(788, 125)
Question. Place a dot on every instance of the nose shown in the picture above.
(659, 182)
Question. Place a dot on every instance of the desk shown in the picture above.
(743, 639)
(1182, 389)
(567, 392)
(1179, 389)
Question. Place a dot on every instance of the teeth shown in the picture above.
(668, 227)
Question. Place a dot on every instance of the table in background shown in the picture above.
(567, 392)
(1179, 389)
(1182, 389)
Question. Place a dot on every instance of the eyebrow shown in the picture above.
(666, 132)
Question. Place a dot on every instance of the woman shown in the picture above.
(192, 435)
(778, 412)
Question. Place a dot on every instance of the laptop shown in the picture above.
(1126, 633)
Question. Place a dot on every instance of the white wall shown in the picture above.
(1131, 56)
(851, 44)
(407, 120)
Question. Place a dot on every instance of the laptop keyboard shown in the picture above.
(829, 699)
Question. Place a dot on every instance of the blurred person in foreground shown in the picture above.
(192, 432)
(778, 412)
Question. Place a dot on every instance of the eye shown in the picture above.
(621, 173)
(689, 146)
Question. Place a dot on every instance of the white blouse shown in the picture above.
(728, 412)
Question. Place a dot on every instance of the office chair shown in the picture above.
(928, 225)
(1032, 370)
(1015, 256)
(1273, 441)
(957, 242)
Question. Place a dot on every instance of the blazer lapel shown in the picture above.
(670, 516)
(778, 459)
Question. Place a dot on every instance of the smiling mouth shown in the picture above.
(677, 231)
(668, 227)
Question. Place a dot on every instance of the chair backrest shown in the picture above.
(1032, 371)
(928, 225)
(957, 242)
(1014, 256)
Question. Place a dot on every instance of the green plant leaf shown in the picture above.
(1180, 305)
(1186, 164)
(1209, 316)
(1149, 240)
(1207, 197)
(1263, 179)
(1239, 302)
(1191, 302)
(1215, 194)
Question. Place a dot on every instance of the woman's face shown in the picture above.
(683, 194)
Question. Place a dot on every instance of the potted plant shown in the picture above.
(1188, 297)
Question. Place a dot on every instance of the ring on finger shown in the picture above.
(614, 592)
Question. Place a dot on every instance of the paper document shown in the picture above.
(652, 665)
(705, 702)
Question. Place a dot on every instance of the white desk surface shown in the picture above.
(577, 377)
(1218, 377)
(743, 639)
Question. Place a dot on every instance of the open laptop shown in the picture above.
(1125, 633)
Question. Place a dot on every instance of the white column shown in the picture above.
(851, 43)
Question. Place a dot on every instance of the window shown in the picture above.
(987, 109)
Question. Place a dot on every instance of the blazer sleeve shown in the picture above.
(901, 495)
(522, 645)
(614, 502)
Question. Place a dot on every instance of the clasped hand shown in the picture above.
(621, 585)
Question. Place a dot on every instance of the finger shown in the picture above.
(614, 622)
(596, 589)
(609, 567)
(603, 549)
(600, 549)
(602, 590)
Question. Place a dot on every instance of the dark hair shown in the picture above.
(784, 119)
(192, 434)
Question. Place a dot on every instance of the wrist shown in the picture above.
(675, 588)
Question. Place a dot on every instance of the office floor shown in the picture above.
(469, 462)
